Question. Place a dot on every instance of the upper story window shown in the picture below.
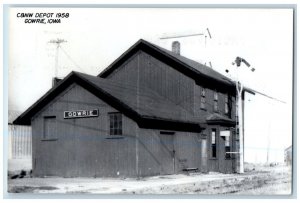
(202, 99)
(115, 123)
(226, 104)
(216, 98)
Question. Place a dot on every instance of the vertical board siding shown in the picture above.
(155, 155)
(82, 148)
(219, 163)
(146, 71)
(209, 96)
(20, 141)
(170, 84)
(166, 81)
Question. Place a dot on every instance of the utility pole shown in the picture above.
(57, 42)
(240, 126)
(240, 112)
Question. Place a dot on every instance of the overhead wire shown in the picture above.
(70, 58)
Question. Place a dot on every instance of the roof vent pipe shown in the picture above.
(176, 47)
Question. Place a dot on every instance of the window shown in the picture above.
(213, 144)
(49, 127)
(226, 105)
(216, 101)
(202, 100)
(115, 123)
(227, 147)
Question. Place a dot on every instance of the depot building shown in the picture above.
(151, 112)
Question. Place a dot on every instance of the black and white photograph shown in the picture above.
(149, 100)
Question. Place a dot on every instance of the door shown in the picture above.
(225, 149)
(49, 146)
(167, 153)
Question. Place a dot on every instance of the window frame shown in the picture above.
(46, 137)
(115, 126)
(203, 99)
(226, 110)
(213, 146)
(216, 101)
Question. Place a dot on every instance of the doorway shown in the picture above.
(167, 152)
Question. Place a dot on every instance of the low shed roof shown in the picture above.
(153, 111)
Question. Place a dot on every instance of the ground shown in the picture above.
(257, 180)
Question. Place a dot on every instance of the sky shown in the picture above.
(97, 36)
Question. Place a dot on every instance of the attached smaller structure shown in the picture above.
(19, 137)
(288, 156)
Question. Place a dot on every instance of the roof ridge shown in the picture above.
(193, 69)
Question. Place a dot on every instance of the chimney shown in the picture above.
(176, 47)
(55, 81)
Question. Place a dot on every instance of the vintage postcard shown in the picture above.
(150, 100)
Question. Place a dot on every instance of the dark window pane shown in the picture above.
(213, 144)
(227, 155)
(214, 151)
(115, 123)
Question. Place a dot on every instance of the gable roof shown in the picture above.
(202, 74)
(153, 112)
(192, 69)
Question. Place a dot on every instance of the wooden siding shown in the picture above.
(165, 80)
(145, 70)
(19, 142)
(220, 163)
(209, 97)
(156, 155)
(81, 147)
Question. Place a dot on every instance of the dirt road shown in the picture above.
(265, 180)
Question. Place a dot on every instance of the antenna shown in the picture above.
(174, 36)
(180, 36)
(57, 42)
(208, 33)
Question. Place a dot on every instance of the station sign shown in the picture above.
(81, 113)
